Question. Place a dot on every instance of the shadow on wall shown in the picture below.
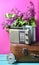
(37, 31)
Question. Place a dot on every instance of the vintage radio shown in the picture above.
(20, 36)
(23, 35)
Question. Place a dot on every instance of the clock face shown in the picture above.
(11, 58)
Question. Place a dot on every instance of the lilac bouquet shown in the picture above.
(29, 15)
(18, 19)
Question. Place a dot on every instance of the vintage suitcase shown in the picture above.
(23, 53)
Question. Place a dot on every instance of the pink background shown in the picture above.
(6, 6)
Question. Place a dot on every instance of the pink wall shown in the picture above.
(6, 6)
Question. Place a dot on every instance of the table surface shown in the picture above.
(3, 61)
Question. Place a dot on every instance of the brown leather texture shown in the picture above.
(31, 52)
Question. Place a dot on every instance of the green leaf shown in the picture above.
(33, 24)
(9, 15)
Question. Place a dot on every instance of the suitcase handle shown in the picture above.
(34, 55)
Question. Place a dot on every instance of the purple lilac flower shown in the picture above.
(4, 24)
(30, 13)
(32, 9)
(20, 14)
(11, 20)
(15, 11)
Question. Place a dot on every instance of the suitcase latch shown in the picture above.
(34, 55)
(25, 51)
